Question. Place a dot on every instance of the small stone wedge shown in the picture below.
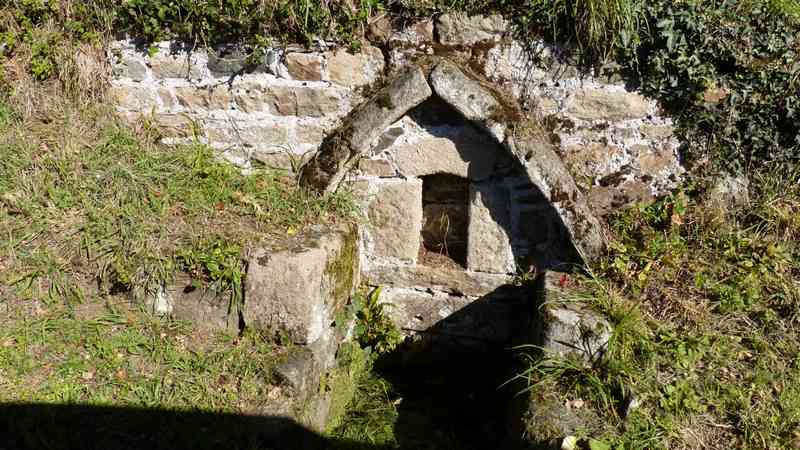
(469, 97)
(341, 149)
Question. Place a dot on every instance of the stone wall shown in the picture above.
(277, 111)
(274, 112)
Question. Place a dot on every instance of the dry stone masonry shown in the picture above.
(475, 157)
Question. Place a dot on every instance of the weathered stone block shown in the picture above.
(470, 98)
(576, 222)
(167, 65)
(133, 98)
(342, 149)
(295, 289)
(468, 154)
(286, 100)
(463, 30)
(489, 245)
(567, 328)
(251, 98)
(304, 66)
(209, 98)
(304, 101)
(356, 70)
(443, 279)
(395, 219)
(594, 104)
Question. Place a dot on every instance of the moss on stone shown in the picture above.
(341, 382)
(341, 270)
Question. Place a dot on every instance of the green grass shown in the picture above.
(371, 416)
(113, 355)
(85, 201)
(705, 308)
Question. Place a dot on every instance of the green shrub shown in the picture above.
(729, 73)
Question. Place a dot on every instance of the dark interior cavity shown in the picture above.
(445, 205)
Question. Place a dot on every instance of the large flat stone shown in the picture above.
(395, 219)
(295, 289)
(489, 245)
(455, 281)
(468, 154)
(341, 150)
(577, 223)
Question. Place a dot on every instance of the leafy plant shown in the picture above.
(726, 71)
(219, 262)
(374, 329)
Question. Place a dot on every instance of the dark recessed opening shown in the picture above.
(445, 203)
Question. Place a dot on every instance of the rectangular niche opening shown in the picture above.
(445, 210)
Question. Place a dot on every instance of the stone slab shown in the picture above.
(467, 154)
(395, 219)
(294, 289)
(455, 281)
(578, 224)
(489, 245)
(469, 97)
(341, 150)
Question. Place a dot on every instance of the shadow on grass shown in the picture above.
(85, 427)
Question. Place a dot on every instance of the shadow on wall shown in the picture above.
(451, 375)
(508, 213)
(83, 427)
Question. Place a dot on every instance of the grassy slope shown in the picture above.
(94, 210)
(706, 308)
(109, 354)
